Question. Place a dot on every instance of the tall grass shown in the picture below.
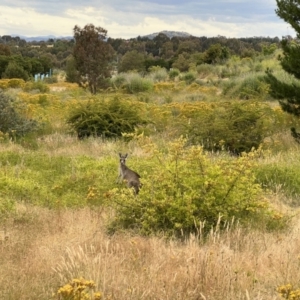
(280, 173)
(133, 83)
(44, 249)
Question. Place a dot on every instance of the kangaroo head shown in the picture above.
(123, 158)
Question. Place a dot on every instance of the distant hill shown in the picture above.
(151, 36)
(169, 34)
(42, 38)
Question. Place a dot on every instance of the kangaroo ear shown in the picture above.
(120, 155)
(126, 155)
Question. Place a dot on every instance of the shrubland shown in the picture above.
(216, 217)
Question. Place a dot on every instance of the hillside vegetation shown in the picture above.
(216, 217)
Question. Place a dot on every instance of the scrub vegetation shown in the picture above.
(216, 216)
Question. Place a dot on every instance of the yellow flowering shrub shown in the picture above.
(4, 84)
(11, 83)
(79, 289)
(182, 188)
(288, 292)
(16, 83)
(164, 86)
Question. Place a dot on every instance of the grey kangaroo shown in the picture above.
(132, 178)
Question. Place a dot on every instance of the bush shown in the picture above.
(77, 289)
(188, 77)
(205, 70)
(16, 83)
(13, 70)
(231, 126)
(135, 84)
(107, 119)
(11, 83)
(173, 73)
(288, 291)
(51, 79)
(118, 81)
(283, 177)
(252, 87)
(11, 119)
(158, 74)
(36, 85)
(183, 189)
(4, 84)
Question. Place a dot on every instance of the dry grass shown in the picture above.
(41, 250)
(59, 144)
(44, 249)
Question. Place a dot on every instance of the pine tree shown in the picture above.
(288, 94)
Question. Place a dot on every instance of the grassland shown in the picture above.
(55, 212)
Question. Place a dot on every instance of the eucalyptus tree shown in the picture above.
(92, 55)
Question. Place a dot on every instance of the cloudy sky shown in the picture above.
(130, 18)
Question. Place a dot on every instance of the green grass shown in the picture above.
(41, 179)
(282, 174)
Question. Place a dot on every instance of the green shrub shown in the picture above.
(135, 84)
(229, 71)
(36, 85)
(51, 79)
(173, 73)
(11, 119)
(205, 70)
(182, 189)
(251, 87)
(118, 81)
(158, 74)
(108, 119)
(283, 177)
(231, 126)
(14, 70)
(188, 77)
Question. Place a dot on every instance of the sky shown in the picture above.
(131, 18)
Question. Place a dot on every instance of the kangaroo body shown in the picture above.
(131, 177)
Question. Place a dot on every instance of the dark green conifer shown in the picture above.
(288, 94)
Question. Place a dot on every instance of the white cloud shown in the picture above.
(230, 18)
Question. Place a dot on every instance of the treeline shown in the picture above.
(22, 59)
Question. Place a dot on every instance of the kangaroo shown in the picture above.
(132, 178)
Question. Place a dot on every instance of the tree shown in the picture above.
(71, 72)
(288, 93)
(182, 63)
(92, 56)
(5, 50)
(132, 61)
(215, 53)
(14, 70)
(159, 41)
